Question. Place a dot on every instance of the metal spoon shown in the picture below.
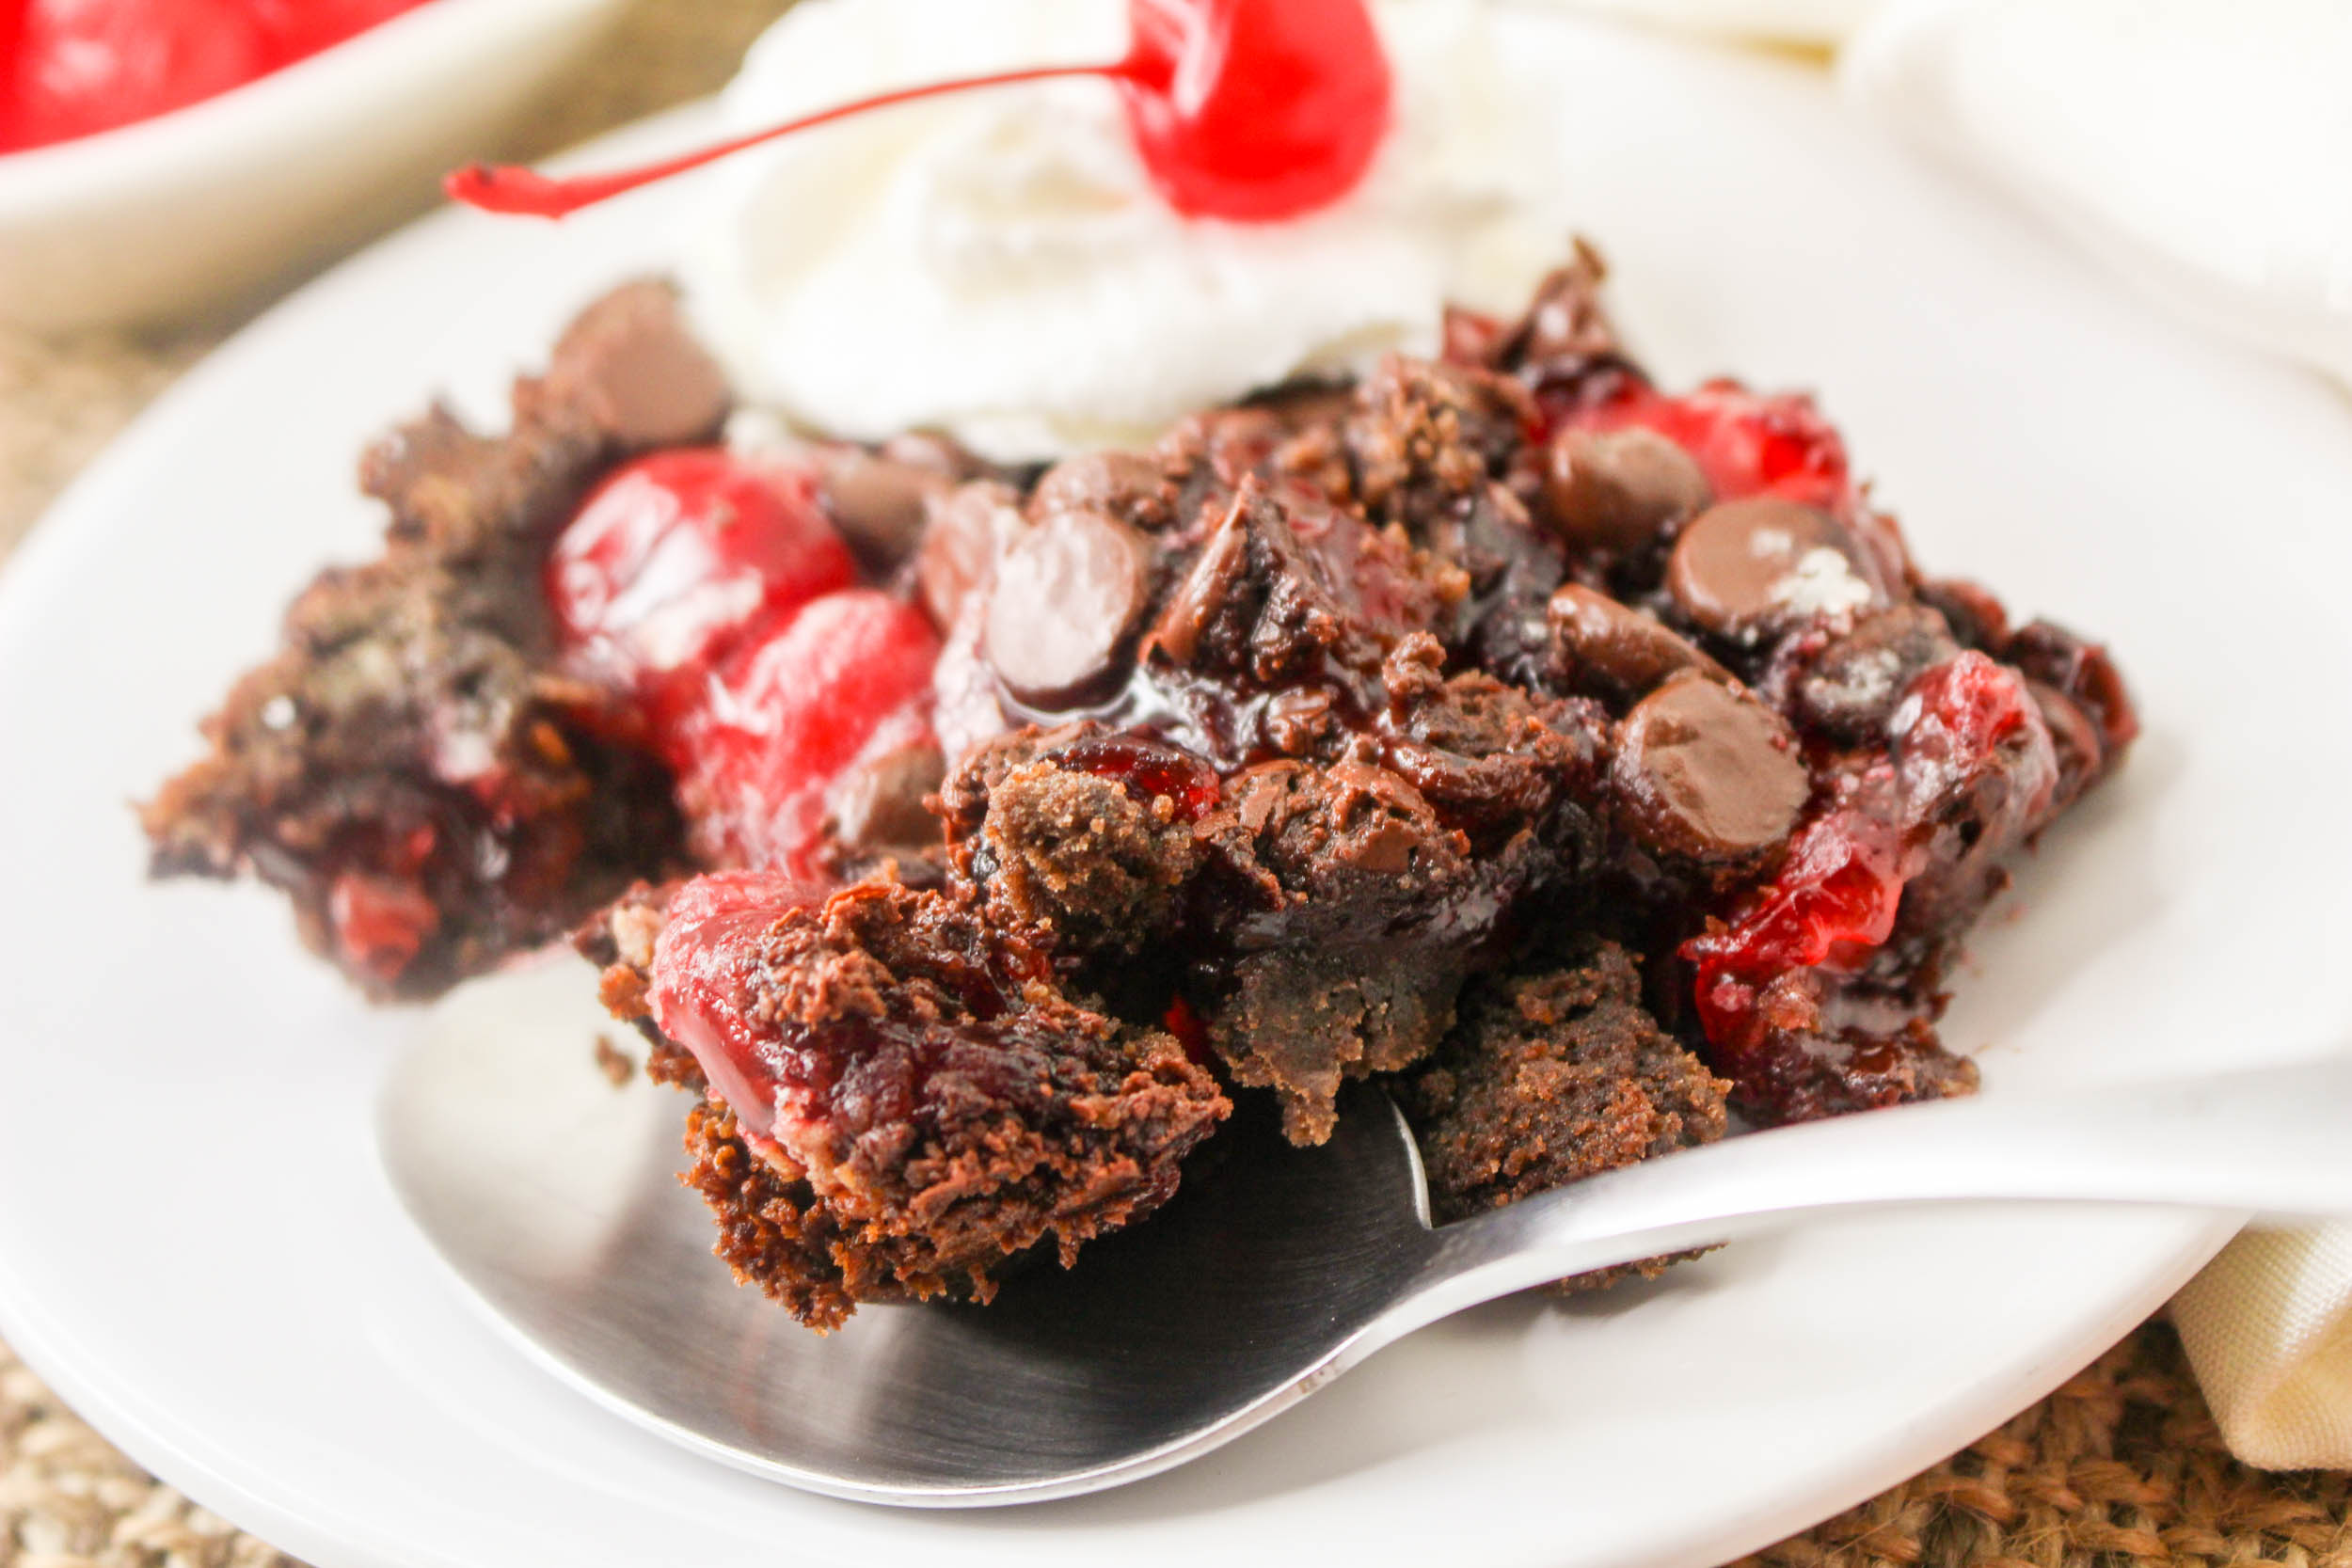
(551, 1196)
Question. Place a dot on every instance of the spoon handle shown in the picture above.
(2274, 1140)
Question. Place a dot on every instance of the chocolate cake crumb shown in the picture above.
(941, 1104)
(614, 1063)
(1373, 910)
(1555, 1074)
(412, 766)
(1427, 435)
(1066, 850)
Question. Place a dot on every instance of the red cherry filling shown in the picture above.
(380, 922)
(1972, 775)
(699, 988)
(1148, 769)
(1248, 110)
(1832, 905)
(680, 558)
(382, 918)
(1747, 443)
(713, 594)
(70, 67)
(848, 676)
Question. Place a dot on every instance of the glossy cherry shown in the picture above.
(1831, 904)
(1248, 110)
(711, 592)
(1256, 110)
(678, 559)
(848, 675)
(697, 992)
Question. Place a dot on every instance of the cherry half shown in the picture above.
(710, 591)
(848, 675)
(678, 559)
(1248, 110)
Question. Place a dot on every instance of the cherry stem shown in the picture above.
(513, 189)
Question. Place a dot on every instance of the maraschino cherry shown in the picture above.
(1248, 110)
(709, 589)
(679, 559)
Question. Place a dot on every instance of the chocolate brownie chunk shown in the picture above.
(1359, 901)
(1327, 912)
(1371, 910)
(1555, 1074)
(1080, 833)
(1270, 640)
(412, 766)
(1426, 437)
(898, 1097)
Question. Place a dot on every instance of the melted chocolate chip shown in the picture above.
(2074, 739)
(1749, 566)
(1069, 591)
(631, 363)
(959, 547)
(1706, 773)
(1122, 485)
(1599, 643)
(880, 504)
(1618, 490)
(1850, 691)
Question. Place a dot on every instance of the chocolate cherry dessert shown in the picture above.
(1585, 762)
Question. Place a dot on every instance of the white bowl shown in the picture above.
(195, 209)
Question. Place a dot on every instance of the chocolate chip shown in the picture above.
(630, 364)
(1069, 591)
(959, 547)
(1850, 689)
(1970, 610)
(1746, 567)
(937, 455)
(1707, 773)
(2075, 738)
(1617, 490)
(878, 805)
(2055, 656)
(878, 503)
(1596, 641)
(1122, 484)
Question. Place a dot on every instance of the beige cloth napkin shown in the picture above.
(2269, 1328)
(2203, 148)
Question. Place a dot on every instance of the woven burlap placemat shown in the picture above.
(2120, 1466)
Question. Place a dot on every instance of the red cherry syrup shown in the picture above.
(1248, 110)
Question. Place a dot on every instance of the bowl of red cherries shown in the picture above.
(163, 158)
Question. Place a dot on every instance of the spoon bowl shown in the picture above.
(552, 1196)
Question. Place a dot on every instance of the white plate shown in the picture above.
(197, 1247)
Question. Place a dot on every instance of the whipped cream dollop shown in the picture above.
(997, 265)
